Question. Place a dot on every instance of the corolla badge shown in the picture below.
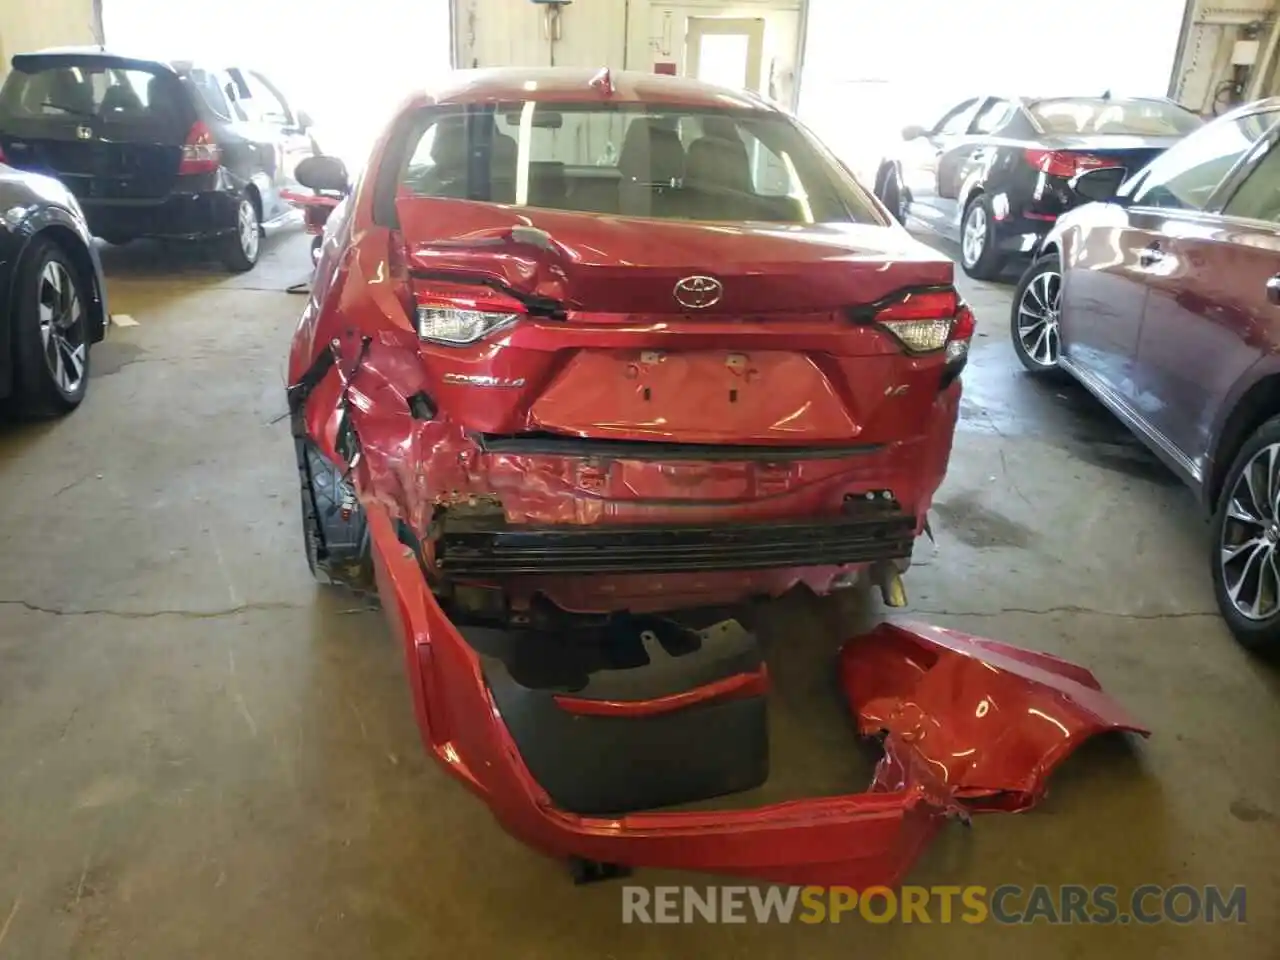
(84, 133)
(698, 293)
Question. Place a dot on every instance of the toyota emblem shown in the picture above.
(698, 293)
(84, 133)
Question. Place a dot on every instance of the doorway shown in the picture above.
(726, 52)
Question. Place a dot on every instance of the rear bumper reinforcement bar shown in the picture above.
(471, 546)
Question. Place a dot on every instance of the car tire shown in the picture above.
(334, 529)
(979, 257)
(1247, 586)
(51, 325)
(892, 194)
(241, 247)
(1034, 317)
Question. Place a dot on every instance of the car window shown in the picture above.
(1258, 197)
(256, 100)
(631, 160)
(1186, 176)
(91, 91)
(210, 87)
(1101, 116)
(957, 120)
(993, 115)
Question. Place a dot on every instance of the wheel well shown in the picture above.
(256, 197)
(974, 194)
(1259, 404)
(69, 242)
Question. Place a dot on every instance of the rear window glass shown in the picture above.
(89, 92)
(632, 160)
(1151, 118)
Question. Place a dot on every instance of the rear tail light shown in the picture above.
(200, 154)
(1065, 163)
(929, 321)
(457, 314)
(961, 334)
(921, 321)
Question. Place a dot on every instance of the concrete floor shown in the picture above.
(202, 754)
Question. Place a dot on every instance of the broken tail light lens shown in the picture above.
(457, 314)
(961, 335)
(200, 153)
(921, 321)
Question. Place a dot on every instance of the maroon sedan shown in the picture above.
(1163, 299)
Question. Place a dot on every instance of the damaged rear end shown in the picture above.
(547, 385)
(673, 398)
(635, 356)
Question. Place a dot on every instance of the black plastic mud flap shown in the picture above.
(632, 714)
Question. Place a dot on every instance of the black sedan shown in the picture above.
(53, 303)
(994, 173)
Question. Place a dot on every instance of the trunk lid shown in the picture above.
(616, 265)
(618, 348)
(110, 128)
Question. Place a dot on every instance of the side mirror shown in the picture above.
(304, 120)
(1098, 185)
(323, 173)
(913, 131)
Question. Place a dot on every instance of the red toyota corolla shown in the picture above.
(621, 342)
(584, 347)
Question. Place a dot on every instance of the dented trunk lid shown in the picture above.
(603, 264)
(780, 357)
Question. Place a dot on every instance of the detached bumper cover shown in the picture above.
(967, 724)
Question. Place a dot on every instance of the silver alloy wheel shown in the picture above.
(973, 239)
(1249, 535)
(62, 328)
(247, 228)
(1038, 314)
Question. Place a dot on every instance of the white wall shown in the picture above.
(631, 34)
(27, 25)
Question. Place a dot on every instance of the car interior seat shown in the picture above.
(652, 164)
(460, 150)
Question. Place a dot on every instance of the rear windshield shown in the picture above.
(1151, 118)
(90, 92)
(632, 160)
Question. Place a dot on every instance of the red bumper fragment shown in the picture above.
(926, 687)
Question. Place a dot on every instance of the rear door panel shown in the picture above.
(1104, 295)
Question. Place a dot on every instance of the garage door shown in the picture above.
(870, 68)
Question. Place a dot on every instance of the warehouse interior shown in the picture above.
(205, 753)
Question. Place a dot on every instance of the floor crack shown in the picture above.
(152, 614)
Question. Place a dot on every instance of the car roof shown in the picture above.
(574, 85)
(91, 52)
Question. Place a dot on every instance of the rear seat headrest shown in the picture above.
(651, 153)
